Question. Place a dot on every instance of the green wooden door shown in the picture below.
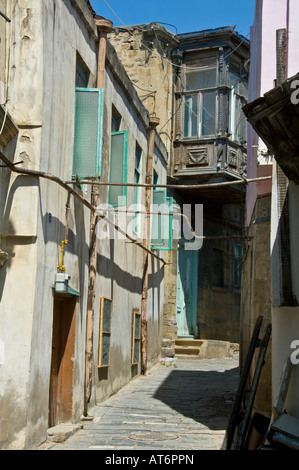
(187, 288)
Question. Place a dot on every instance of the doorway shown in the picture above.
(62, 364)
(187, 288)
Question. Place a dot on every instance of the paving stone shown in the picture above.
(62, 432)
(189, 403)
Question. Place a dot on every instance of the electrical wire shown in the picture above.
(246, 37)
(144, 89)
(169, 62)
(163, 57)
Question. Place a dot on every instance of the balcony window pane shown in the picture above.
(200, 80)
(234, 81)
(208, 113)
(191, 116)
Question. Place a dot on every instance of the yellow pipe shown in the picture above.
(61, 267)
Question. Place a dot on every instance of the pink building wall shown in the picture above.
(270, 15)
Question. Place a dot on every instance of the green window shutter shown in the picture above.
(169, 222)
(161, 228)
(88, 133)
(118, 167)
(138, 153)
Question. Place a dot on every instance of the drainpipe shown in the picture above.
(104, 27)
(282, 184)
(154, 122)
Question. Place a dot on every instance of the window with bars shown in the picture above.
(105, 332)
(136, 337)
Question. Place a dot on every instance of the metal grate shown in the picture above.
(88, 133)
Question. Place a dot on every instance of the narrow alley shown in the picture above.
(149, 195)
(182, 405)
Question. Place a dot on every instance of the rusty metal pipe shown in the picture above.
(104, 26)
(154, 122)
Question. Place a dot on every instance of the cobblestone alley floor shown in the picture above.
(182, 406)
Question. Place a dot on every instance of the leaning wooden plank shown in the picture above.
(235, 415)
(284, 385)
(261, 360)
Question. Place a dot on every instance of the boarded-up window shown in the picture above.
(136, 337)
(105, 332)
(88, 133)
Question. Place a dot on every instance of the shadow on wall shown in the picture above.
(205, 396)
(282, 277)
(124, 279)
(7, 228)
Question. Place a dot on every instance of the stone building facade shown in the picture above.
(71, 284)
(200, 81)
(270, 268)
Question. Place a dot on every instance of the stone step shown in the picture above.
(187, 350)
(202, 349)
(189, 342)
(61, 432)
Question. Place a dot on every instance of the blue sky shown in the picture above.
(186, 16)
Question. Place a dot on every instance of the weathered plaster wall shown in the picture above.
(256, 296)
(285, 331)
(4, 38)
(286, 319)
(19, 233)
(269, 16)
(46, 35)
(147, 59)
(120, 263)
(219, 306)
(65, 29)
(293, 38)
(294, 230)
(170, 327)
(257, 285)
